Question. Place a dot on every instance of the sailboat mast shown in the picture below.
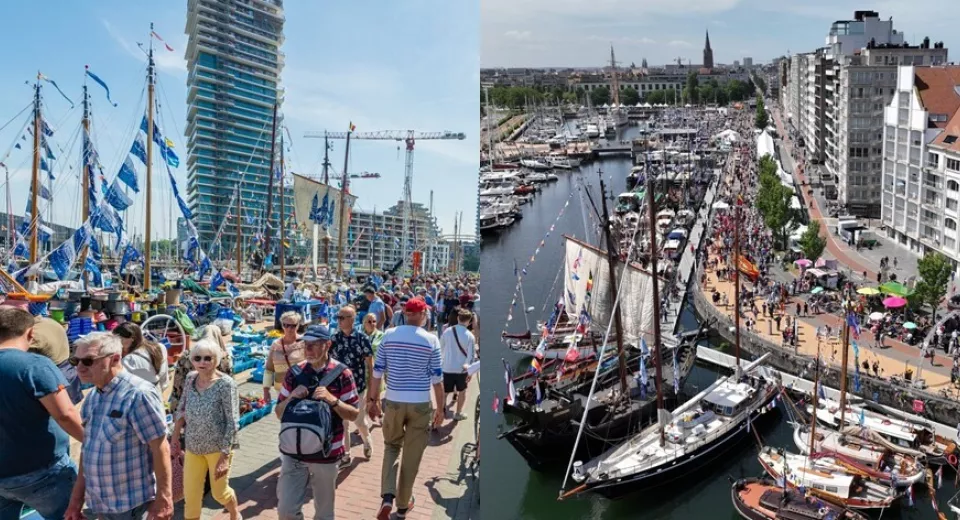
(273, 151)
(283, 226)
(341, 226)
(10, 225)
(816, 395)
(326, 182)
(239, 236)
(736, 286)
(85, 180)
(612, 263)
(652, 210)
(34, 223)
(146, 232)
(843, 368)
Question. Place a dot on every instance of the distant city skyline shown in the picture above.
(566, 33)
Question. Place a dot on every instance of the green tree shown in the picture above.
(762, 120)
(934, 270)
(655, 97)
(811, 243)
(580, 92)
(629, 96)
(774, 202)
(690, 93)
(570, 97)
(600, 96)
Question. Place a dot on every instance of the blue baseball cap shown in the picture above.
(317, 333)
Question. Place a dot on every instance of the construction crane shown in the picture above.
(408, 137)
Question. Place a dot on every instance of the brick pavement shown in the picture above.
(445, 488)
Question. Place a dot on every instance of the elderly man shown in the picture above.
(353, 349)
(318, 471)
(125, 461)
(36, 416)
(411, 358)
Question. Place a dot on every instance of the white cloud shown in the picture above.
(680, 43)
(518, 35)
(166, 61)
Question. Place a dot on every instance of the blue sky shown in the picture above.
(574, 33)
(409, 65)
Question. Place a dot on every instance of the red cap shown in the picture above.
(415, 305)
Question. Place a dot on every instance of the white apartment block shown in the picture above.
(921, 161)
(835, 99)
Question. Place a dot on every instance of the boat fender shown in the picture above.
(952, 459)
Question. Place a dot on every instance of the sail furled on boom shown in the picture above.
(587, 287)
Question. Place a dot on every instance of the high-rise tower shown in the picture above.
(234, 63)
(707, 54)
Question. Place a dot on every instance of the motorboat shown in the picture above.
(534, 164)
(592, 131)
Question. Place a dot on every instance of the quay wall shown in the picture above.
(937, 408)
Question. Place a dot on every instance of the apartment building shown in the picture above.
(921, 161)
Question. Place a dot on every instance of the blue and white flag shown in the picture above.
(100, 82)
(90, 265)
(138, 149)
(117, 198)
(128, 174)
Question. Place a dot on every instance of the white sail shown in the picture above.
(584, 263)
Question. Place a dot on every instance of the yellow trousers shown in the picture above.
(195, 469)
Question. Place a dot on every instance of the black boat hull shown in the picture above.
(690, 463)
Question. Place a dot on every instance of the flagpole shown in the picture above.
(344, 186)
(149, 191)
(843, 369)
(35, 180)
(326, 181)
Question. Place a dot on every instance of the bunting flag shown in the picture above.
(128, 175)
(100, 82)
(45, 193)
(533, 257)
(583, 325)
(676, 374)
(117, 198)
(130, 254)
(139, 150)
(854, 324)
(511, 391)
(44, 128)
(165, 44)
(535, 366)
(90, 265)
(62, 258)
(54, 83)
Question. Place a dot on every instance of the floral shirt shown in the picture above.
(212, 415)
(353, 351)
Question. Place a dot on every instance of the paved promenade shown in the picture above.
(446, 486)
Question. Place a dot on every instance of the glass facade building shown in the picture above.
(234, 64)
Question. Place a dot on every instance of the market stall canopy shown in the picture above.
(804, 262)
(816, 290)
(894, 302)
(895, 289)
(868, 291)
(876, 316)
(910, 325)
(721, 205)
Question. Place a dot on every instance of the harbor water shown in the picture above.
(511, 489)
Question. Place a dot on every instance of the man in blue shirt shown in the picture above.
(35, 464)
(377, 307)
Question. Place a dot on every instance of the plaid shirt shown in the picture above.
(119, 422)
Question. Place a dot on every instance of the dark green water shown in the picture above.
(510, 489)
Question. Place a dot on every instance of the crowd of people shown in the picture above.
(398, 353)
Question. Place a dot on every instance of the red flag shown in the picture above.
(157, 36)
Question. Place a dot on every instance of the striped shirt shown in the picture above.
(411, 358)
(119, 422)
(342, 388)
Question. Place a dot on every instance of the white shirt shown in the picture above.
(453, 359)
(138, 363)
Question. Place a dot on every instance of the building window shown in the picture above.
(950, 223)
(952, 204)
(953, 164)
(933, 159)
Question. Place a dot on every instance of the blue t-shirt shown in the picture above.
(30, 439)
(379, 308)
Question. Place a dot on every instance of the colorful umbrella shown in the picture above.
(816, 290)
(894, 302)
(910, 325)
(868, 291)
(876, 316)
(804, 262)
(895, 288)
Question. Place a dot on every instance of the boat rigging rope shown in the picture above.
(606, 342)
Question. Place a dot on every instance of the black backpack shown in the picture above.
(306, 428)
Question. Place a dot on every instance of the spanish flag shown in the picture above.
(352, 126)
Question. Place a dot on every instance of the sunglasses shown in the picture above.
(197, 359)
(290, 325)
(87, 362)
(343, 316)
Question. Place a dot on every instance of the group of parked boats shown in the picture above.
(609, 405)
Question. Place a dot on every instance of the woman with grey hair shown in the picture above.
(209, 409)
(183, 366)
(285, 352)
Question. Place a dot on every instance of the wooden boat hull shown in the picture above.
(759, 512)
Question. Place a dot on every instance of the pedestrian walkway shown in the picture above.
(447, 485)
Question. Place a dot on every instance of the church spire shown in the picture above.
(707, 53)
